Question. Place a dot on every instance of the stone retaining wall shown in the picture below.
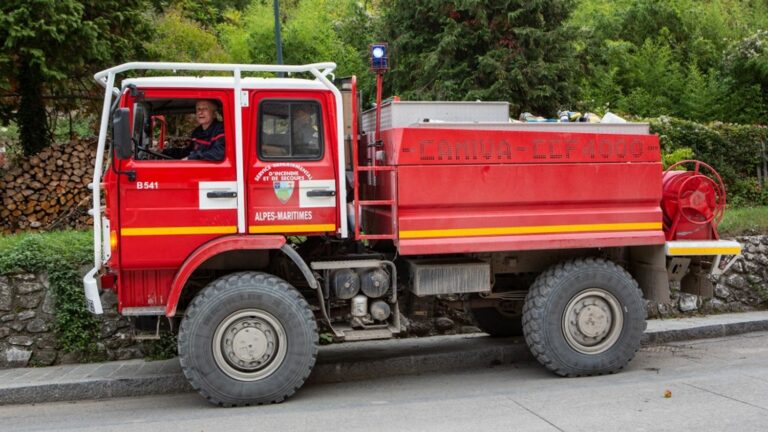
(27, 311)
(745, 286)
(27, 321)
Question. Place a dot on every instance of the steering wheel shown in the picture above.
(153, 153)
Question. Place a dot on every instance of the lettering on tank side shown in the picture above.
(557, 149)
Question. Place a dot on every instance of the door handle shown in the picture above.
(321, 193)
(221, 194)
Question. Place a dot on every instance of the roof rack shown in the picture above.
(316, 69)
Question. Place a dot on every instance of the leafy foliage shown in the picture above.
(181, 39)
(208, 13)
(512, 50)
(674, 57)
(50, 47)
(734, 150)
(675, 156)
(312, 32)
(60, 255)
(164, 348)
(746, 66)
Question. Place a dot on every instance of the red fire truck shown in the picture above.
(321, 215)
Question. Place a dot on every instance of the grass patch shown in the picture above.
(60, 255)
(744, 221)
(69, 245)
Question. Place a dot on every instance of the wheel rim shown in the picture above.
(592, 321)
(249, 345)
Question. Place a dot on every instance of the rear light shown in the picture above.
(113, 240)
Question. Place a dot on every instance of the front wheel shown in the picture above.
(248, 338)
(584, 317)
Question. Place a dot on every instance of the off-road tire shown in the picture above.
(247, 291)
(496, 323)
(554, 290)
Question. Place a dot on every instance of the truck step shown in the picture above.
(144, 311)
(352, 335)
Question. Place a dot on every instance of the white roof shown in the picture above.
(225, 82)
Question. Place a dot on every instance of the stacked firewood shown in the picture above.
(48, 190)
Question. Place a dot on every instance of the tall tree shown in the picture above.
(514, 50)
(312, 31)
(675, 57)
(180, 39)
(51, 47)
(209, 13)
(746, 68)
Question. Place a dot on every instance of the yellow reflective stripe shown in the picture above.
(263, 229)
(704, 251)
(164, 231)
(544, 229)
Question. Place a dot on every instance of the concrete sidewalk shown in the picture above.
(336, 363)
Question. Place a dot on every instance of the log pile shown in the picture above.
(48, 190)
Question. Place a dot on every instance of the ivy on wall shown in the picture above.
(61, 255)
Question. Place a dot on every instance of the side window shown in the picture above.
(290, 130)
(179, 129)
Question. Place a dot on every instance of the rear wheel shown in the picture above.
(248, 338)
(584, 317)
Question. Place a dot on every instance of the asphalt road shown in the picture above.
(715, 385)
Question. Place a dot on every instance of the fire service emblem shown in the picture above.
(284, 190)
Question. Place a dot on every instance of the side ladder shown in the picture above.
(391, 202)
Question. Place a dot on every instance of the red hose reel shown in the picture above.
(693, 202)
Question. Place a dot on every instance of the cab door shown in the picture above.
(168, 208)
(291, 172)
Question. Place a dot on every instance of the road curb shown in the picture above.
(704, 332)
(351, 362)
(94, 389)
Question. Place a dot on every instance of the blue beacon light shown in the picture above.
(379, 59)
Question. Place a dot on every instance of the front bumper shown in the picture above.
(91, 287)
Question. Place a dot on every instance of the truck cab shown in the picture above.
(286, 154)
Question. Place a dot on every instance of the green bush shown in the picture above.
(735, 151)
(60, 255)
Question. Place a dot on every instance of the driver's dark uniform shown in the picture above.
(208, 143)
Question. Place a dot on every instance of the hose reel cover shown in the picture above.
(693, 202)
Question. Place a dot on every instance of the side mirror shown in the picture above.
(121, 128)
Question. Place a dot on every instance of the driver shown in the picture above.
(208, 137)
